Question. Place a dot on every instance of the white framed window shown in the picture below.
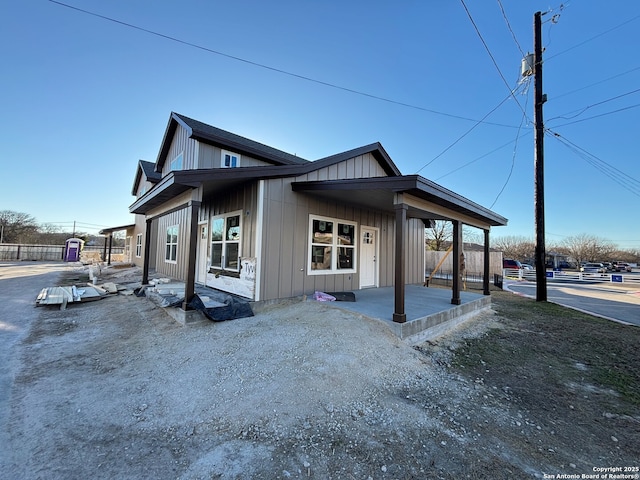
(139, 245)
(226, 235)
(229, 159)
(171, 245)
(332, 246)
(176, 163)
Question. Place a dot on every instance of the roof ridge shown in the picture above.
(204, 130)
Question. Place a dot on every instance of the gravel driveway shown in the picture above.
(116, 389)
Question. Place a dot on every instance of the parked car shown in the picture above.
(526, 266)
(622, 267)
(593, 268)
(510, 263)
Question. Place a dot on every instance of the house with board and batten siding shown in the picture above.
(236, 215)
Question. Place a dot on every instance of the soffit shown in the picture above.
(426, 200)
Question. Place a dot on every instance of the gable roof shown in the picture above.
(148, 169)
(177, 182)
(376, 149)
(426, 199)
(223, 139)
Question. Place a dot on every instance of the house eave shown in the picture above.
(383, 193)
(164, 191)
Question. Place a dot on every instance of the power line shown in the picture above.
(470, 129)
(582, 110)
(513, 161)
(600, 115)
(504, 15)
(555, 97)
(626, 181)
(478, 158)
(465, 133)
(273, 69)
(594, 37)
(495, 63)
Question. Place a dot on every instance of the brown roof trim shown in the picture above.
(221, 138)
(178, 181)
(412, 184)
(148, 169)
(164, 191)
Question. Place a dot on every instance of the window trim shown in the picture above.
(139, 245)
(334, 270)
(223, 153)
(224, 242)
(170, 244)
(172, 167)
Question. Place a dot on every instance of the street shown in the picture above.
(618, 303)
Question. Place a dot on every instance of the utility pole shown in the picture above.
(539, 99)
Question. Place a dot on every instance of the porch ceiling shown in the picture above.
(426, 200)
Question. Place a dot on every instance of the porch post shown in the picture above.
(147, 247)
(399, 316)
(485, 276)
(190, 285)
(110, 245)
(457, 250)
(104, 253)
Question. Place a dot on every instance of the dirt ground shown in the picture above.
(116, 389)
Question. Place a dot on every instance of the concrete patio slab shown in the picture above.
(429, 310)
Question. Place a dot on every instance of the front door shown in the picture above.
(368, 257)
(201, 258)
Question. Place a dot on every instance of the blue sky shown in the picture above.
(84, 98)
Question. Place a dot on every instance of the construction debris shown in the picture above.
(64, 295)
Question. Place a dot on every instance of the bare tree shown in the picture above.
(588, 248)
(516, 247)
(438, 237)
(17, 227)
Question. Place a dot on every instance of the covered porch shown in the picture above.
(429, 311)
(412, 196)
(404, 197)
(108, 240)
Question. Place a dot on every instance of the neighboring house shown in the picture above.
(224, 211)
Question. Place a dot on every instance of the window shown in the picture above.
(229, 159)
(176, 163)
(225, 241)
(139, 245)
(332, 246)
(171, 244)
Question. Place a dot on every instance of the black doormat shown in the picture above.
(343, 296)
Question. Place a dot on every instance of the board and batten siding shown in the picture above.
(210, 156)
(181, 143)
(285, 236)
(362, 166)
(177, 270)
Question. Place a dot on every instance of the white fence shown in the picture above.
(574, 276)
